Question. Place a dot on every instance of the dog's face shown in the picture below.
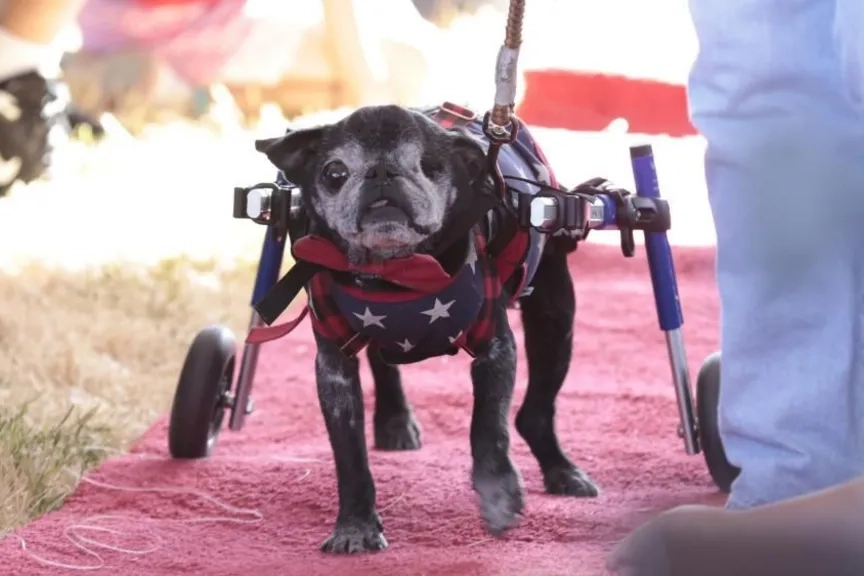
(383, 180)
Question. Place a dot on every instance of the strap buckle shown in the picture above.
(450, 114)
(459, 111)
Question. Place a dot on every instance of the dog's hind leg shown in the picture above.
(547, 319)
(394, 423)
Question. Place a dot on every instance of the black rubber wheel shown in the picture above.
(199, 402)
(707, 399)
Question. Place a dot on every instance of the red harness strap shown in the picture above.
(483, 329)
(512, 259)
(328, 321)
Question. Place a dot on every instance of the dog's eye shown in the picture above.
(431, 167)
(335, 174)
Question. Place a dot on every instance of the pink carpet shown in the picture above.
(616, 416)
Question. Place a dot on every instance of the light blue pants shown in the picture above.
(778, 92)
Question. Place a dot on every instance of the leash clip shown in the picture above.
(498, 136)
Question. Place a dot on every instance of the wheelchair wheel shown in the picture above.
(203, 393)
(707, 399)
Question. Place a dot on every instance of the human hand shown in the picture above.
(650, 549)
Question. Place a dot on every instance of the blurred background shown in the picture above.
(111, 263)
(182, 87)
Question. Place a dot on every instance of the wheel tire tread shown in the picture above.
(198, 389)
(707, 399)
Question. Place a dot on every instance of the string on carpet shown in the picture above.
(84, 534)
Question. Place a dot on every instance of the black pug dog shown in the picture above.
(385, 183)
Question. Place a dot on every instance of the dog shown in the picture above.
(386, 184)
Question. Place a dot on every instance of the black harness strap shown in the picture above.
(278, 298)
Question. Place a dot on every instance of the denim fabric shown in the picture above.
(777, 92)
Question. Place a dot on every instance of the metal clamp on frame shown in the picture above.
(267, 203)
(550, 212)
(591, 206)
(640, 213)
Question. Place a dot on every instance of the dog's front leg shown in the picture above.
(494, 476)
(358, 527)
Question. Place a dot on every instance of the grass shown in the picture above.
(88, 360)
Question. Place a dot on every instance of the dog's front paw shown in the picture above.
(501, 498)
(568, 480)
(397, 432)
(356, 537)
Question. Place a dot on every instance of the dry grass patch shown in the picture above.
(89, 359)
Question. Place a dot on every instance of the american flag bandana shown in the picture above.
(406, 325)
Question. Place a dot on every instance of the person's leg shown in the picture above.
(34, 107)
(785, 170)
(785, 175)
(849, 43)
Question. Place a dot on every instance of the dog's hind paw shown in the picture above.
(356, 537)
(398, 432)
(501, 499)
(568, 480)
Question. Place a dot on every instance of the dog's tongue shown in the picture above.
(383, 214)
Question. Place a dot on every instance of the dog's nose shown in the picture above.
(381, 173)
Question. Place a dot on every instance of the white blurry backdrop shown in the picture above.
(169, 192)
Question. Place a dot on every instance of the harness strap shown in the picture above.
(328, 321)
(511, 257)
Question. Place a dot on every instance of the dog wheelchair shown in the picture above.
(214, 381)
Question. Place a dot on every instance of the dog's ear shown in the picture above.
(291, 153)
(470, 154)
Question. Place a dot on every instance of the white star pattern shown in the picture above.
(406, 346)
(439, 310)
(370, 319)
(472, 259)
(453, 339)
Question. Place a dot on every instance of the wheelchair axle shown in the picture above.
(229, 401)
